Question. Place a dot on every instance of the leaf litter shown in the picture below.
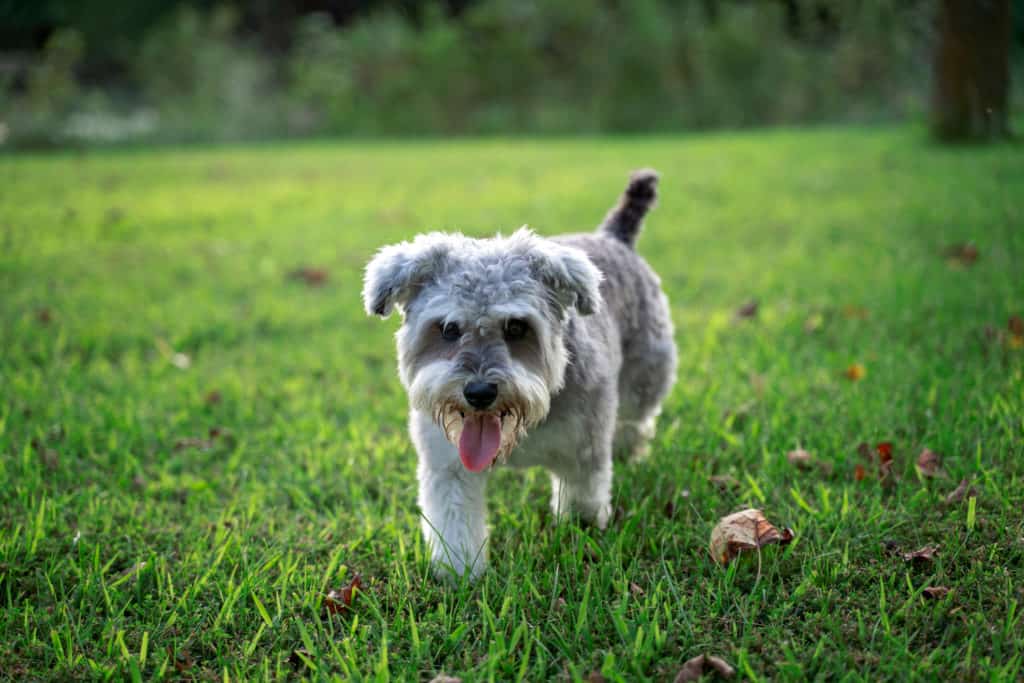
(743, 531)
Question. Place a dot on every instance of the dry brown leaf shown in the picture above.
(936, 592)
(921, 555)
(313, 277)
(929, 464)
(636, 590)
(855, 372)
(182, 661)
(748, 310)
(1016, 327)
(880, 457)
(193, 442)
(339, 600)
(852, 312)
(724, 482)
(964, 490)
(693, 669)
(445, 678)
(961, 255)
(596, 677)
(744, 530)
(799, 458)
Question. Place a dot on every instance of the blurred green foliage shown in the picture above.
(498, 66)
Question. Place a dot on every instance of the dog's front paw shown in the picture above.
(454, 572)
(598, 516)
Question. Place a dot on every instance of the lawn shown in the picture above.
(202, 434)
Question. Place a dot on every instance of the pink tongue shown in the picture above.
(481, 437)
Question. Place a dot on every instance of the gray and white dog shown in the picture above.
(525, 351)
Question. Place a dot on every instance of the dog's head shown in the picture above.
(482, 343)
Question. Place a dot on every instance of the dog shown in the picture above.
(524, 351)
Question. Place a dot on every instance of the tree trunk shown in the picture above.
(972, 70)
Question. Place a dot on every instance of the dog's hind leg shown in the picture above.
(644, 383)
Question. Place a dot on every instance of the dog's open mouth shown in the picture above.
(480, 442)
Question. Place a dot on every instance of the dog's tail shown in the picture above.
(624, 221)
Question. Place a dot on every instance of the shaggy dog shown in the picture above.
(525, 351)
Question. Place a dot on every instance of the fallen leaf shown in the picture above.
(851, 312)
(445, 678)
(313, 277)
(744, 530)
(961, 255)
(596, 677)
(855, 372)
(884, 452)
(921, 555)
(339, 600)
(799, 458)
(182, 661)
(964, 490)
(695, 668)
(936, 592)
(193, 442)
(1016, 327)
(929, 464)
(724, 482)
(880, 457)
(748, 310)
(635, 589)
(885, 462)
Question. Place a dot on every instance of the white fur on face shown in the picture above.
(435, 371)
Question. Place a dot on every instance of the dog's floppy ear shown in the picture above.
(397, 272)
(568, 272)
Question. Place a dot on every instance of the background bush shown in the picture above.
(486, 66)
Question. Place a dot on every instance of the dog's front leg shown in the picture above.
(451, 499)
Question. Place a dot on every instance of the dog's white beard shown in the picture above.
(523, 401)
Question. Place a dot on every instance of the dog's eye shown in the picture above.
(450, 331)
(516, 329)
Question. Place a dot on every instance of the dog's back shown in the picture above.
(634, 301)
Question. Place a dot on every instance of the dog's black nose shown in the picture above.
(480, 394)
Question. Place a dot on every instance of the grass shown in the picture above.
(147, 301)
